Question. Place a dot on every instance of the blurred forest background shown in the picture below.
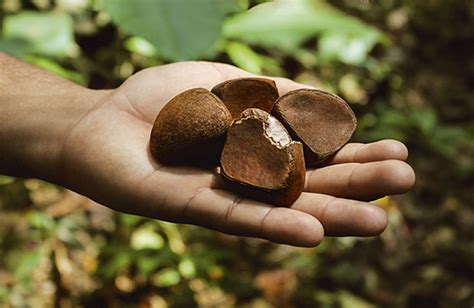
(405, 66)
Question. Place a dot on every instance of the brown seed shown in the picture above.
(322, 121)
(242, 93)
(190, 129)
(259, 159)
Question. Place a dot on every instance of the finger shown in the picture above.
(362, 181)
(343, 217)
(190, 196)
(376, 151)
(228, 213)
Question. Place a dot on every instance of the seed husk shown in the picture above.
(322, 121)
(259, 159)
(242, 93)
(190, 129)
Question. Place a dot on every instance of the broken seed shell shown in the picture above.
(242, 93)
(260, 160)
(322, 121)
(190, 129)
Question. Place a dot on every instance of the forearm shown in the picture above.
(37, 111)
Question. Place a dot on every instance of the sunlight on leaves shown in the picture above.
(166, 278)
(347, 48)
(179, 29)
(56, 68)
(286, 24)
(5, 180)
(244, 57)
(140, 46)
(187, 269)
(146, 237)
(48, 33)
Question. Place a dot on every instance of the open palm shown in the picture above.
(106, 157)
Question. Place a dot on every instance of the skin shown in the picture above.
(95, 142)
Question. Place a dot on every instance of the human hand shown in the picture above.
(106, 157)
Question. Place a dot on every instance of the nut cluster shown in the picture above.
(262, 142)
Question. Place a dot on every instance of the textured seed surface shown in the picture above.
(190, 127)
(323, 122)
(242, 93)
(262, 160)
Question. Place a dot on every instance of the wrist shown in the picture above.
(70, 111)
(38, 112)
(34, 129)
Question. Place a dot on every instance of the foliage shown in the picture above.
(406, 68)
(171, 25)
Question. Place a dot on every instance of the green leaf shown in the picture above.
(325, 298)
(425, 119)
(56, 69)
(28, 262)
(394, 118)
(121, 259)
(233, 6)
(271, 24)
(145, 237)
(41, 221)
(448, 140)
(347, 48)
(175, 240)
(48, 34)
(179, 29)
(147, 264)
(287, 23)
(14, 47)
(129, 220)
(187, 268)
(349, 300)
(244, 57)
(140, 46)
(5, 180)
(166, 278)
